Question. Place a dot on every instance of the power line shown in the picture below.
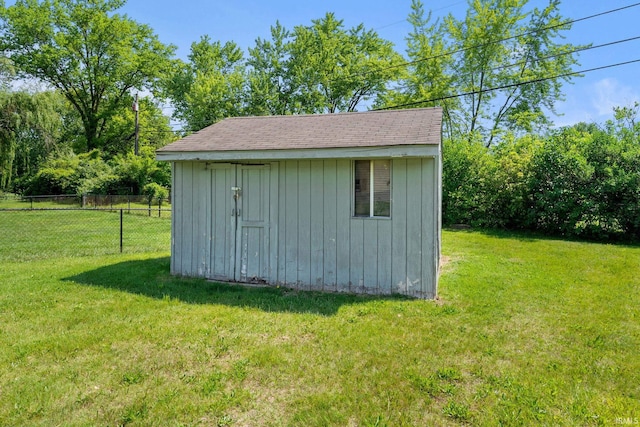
(405, 20)
(580, 49)
(443, 98)
(489, 43)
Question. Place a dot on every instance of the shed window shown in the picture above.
(372, 200)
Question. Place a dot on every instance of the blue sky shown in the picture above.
(590, 98)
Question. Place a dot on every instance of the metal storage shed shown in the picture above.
(345, 202)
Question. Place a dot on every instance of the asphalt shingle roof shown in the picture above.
(343, 130)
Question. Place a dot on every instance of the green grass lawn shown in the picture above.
(53, 234)
(44, 202)
(527, 332)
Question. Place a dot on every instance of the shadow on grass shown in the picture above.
(151, 278)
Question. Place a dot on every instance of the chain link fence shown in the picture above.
(58, 226)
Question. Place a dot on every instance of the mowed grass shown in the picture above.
(44, 202)
(527, 332)
(52, 234)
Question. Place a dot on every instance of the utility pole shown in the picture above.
(137, 126)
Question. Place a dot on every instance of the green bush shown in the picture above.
(91, 173)
(155, 191)
(580, 181)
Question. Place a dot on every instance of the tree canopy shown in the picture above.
(90, 54)
(337, 69)
(318, 68)
(497, 72)
(210, 86)
(492, 72)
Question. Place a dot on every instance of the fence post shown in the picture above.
(121, 230)
(159, 207)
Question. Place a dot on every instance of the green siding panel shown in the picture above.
(344, 190)
(291, 223)
(304, 225)
(297, 229)
(329, 218)
(399, 226)
(316, 195)
(414, 227)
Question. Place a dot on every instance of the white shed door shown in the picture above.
(252, 201)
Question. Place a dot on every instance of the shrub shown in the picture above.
(90, 173)
(155, 191)
(580, 181)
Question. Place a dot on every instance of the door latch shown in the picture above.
(236, 192)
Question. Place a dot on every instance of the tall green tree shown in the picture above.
(210, 86)
(524, 64)
(336, 69)
(271, 90)
(504, 59)
(92, 55)
(428, 74)
(30, 131)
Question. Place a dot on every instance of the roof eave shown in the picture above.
(370, 152)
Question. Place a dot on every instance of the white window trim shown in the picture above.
(371, 189)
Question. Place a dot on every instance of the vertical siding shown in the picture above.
(304, 224)
(186, 225)
(201, 227)
(370, 255)
(430, 238)
(414, 226)
(317, 224)
(399, 226)
(222, 243)
(329, 229)
(313, 241)
(176, 206)
(273, 234)
(290, 222)
(343, 230)
(384, 257)
(327, 248)
(192, 225)
(356, 265)
(281, 222)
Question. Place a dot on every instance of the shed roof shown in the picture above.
(343, 130)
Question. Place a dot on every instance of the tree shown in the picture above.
(271, 90)
(155, 129)
(30, 131)
(503, 61)
(428, 74)
(528, 54)
(335, 70)
(92, 55)
(210, 86)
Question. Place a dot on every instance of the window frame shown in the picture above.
(371, 189)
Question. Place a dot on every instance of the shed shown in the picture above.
(347, 202)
